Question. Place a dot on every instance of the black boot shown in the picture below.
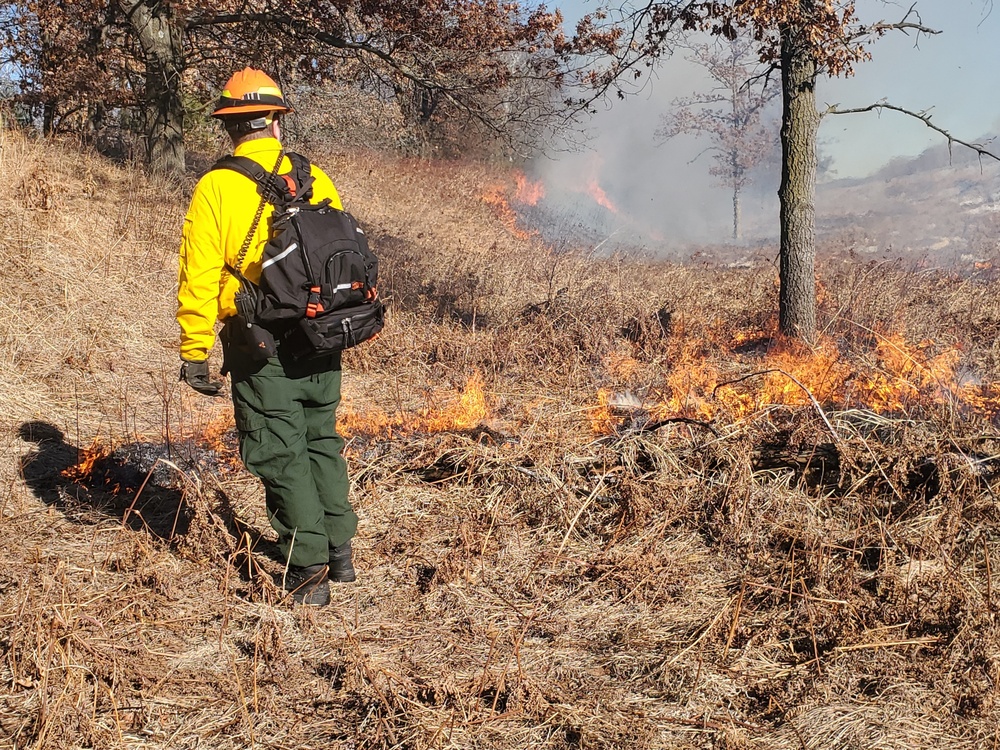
(341, 568)
(308, 585)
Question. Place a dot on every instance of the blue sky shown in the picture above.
(956, 74)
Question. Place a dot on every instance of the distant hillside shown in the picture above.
(940, 205)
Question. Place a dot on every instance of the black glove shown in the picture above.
(195, 374)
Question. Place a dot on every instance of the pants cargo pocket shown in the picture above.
(251, 428)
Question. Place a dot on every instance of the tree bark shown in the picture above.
(737, 215)
(797, 193)
(47, 64)
(162, 44)
(49, 117)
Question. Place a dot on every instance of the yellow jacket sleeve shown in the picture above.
(201, 263)
(323, 188)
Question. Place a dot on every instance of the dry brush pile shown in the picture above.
(583, 524)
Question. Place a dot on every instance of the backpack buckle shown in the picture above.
(314, 306)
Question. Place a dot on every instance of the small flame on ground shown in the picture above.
(495, 196)
(219, 438)
(595, 191)
(464, 411)
(902, 377)
(87, 458)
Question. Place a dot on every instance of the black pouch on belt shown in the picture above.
(260, 341)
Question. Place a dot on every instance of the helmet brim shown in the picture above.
(251, 109)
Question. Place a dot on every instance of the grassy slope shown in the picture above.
(522, 585)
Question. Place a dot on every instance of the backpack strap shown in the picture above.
(270, 186)
(302, 175)
(264, 185)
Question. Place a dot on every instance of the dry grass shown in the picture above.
(525, 583)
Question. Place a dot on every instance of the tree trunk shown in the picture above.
(737, 215)
(797, 193)
(49, 117)
(162, 44)
(47, 63)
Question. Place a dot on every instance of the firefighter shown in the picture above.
(285, 411)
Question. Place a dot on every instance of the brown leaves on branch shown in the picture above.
(64, 49)
(497, 65)
(830, 30)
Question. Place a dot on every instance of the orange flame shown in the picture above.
(528, 192)
(219, 437)
(901, 377)
(603, 421)
(87, 457)
(463, 412)
(495, 196)
(595, 191)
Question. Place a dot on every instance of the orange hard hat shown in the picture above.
(250, 92)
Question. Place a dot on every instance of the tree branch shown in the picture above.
(337, 41)
(924, 117)
(704, 151)
(905, 25)
(766, 75)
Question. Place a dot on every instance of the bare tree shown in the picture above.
(729, 115)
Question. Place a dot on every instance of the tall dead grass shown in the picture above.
(525, 583)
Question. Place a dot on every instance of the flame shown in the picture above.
(898, 377)
(86, 459)
(602, 420)
(463, 411)
(495, 196)
(528, 192)
(220, 438)
(595, 191)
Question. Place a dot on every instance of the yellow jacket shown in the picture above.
(218, 219)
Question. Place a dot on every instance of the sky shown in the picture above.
(954, 74)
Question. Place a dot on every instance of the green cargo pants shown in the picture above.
(286, 418)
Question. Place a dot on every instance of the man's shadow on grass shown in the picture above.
(137, 484)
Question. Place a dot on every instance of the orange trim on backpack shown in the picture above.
(314, 306)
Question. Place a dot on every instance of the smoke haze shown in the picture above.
(665, 197)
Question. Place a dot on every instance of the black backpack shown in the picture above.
(318, 284)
